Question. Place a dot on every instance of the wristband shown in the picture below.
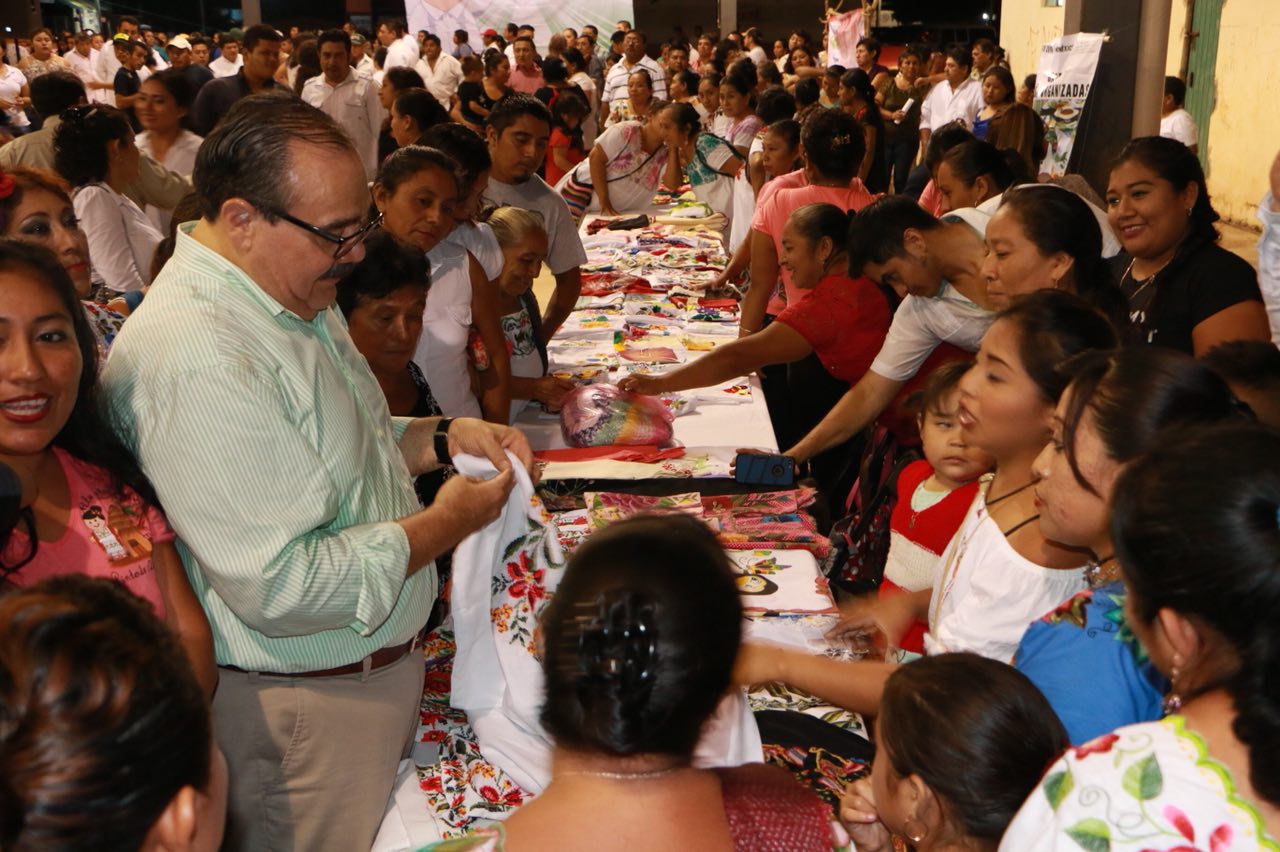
(440, 441)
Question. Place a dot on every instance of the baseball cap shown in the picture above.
(181, 42)
(356, 38)
(489, 32)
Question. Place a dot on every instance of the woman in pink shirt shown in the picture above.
(833, 147)
(86, 508)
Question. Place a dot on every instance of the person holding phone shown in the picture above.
(844, 320)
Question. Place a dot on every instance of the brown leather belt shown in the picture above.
(379, 659)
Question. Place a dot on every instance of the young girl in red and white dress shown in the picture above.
(933, 496)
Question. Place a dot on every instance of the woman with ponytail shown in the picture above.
(1082, 654)
(637, 647)
(105, 737)
(1044, 237)
(1196, 527)
(975, 174)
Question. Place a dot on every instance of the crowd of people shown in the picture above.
(259, 289)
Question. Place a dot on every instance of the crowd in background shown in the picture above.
(259, 288)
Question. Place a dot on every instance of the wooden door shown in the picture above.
(1206, 20)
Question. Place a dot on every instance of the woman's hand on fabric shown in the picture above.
(606, 209)
(859, 817)
(474, 503)
(550, 391)
(475, 437)
(642, 383)
(867, 619)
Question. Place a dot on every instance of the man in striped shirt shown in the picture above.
(288, 482)
(633, 59)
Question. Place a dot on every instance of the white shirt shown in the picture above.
(565, 250)
(615, 85)
(446, 324)
(986, 593)
(921, 323)
(590, 129)
(161, 62)
(84, 68)
(1181, 126)
(11, 83)
(106, 66)
(758, 55)
(122, 241)
(365, 67)
(180, 158)
(353, 103)
(403, 51)
(222, 67)
(442, 81)
(1269, 264)
(944, 105)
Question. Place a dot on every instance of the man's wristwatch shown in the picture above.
(440, 440)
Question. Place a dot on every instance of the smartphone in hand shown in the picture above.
(751, 469)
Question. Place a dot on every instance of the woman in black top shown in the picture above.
(475, 99)
(1184, 290)
(383, 299)
(858, 99)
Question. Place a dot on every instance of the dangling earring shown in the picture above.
(915, 829)
(1173, 701)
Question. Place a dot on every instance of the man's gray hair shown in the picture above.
(248, 155)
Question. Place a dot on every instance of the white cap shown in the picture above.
(180, 42)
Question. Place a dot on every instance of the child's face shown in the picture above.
(521, 264)
(953, 461)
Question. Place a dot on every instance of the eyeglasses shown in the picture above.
(344, 245)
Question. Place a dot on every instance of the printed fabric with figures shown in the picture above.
(109, 534)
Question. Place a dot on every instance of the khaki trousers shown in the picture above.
(312, 760)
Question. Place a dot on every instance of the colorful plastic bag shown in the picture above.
(600, 415)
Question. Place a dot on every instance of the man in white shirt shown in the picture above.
(444, 16)
(230, 62)
(957, 98)
(633, 58)
(82, 59)
(360, 58)
(402, 48)
(1176, 122)
(440, 72)
(351, 99)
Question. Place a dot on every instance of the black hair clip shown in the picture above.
(618, 640)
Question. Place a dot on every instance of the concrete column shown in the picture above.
(1128, 86)
(22, 15)
(252, 11)
(728, 16)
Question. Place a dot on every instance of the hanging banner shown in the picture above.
(844, 29)
(1063, 80)
(547, 17)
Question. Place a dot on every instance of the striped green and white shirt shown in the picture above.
(274, 455)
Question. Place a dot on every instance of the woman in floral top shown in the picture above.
(1196, 526)
(35, 207)
(1083, 655)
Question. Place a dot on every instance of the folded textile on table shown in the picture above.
(767, 519)
(601, 414)
(591, 325)
(638, 453)
(503, 577)
(650, 355)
